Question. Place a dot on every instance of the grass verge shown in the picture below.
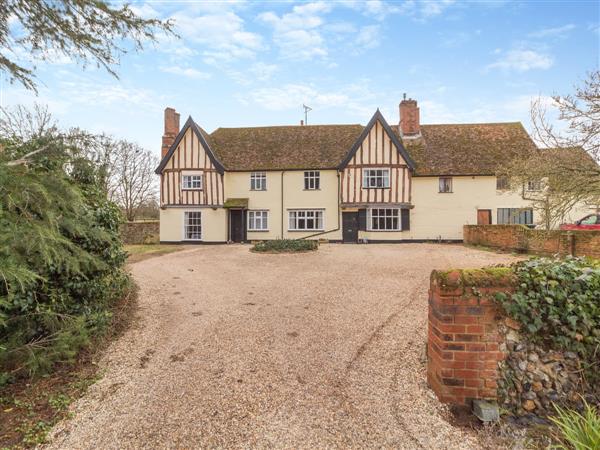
(145, 251)
(29, 408)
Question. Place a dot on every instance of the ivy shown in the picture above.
(558, 303)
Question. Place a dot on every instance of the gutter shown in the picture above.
(338, 215)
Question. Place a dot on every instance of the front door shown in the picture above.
(484, 217)
(350, 227)
(237, 230)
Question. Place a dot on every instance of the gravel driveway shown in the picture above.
(237, 349)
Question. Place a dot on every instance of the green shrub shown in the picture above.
(576, 430)
(558, 303)
(286, 245)
(61, 258)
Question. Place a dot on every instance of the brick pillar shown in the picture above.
(463, 346)
(171, 123)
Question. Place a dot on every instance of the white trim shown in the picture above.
(184, 238)
(183, 175)
(364, 178)
(370, 220)
(259, 176)
(321, 210)
(313, 176)
(255, 211)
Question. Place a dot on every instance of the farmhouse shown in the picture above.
(344, 183)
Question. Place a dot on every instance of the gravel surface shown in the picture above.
(238, 349)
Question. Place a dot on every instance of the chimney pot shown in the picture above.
(171, 129)
(409, 118)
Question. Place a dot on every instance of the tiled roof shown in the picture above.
(283, 147)
(468, 149)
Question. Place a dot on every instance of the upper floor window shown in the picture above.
(384, 219)
(258, 220)
(376, 178)
(258, 181)
(502, 183)
(445, 184)
(191, 181)
(534, 185)
(312, 180)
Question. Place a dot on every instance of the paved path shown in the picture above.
(236, 349)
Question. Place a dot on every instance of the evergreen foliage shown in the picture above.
(61, 258)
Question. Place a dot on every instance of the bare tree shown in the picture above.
(133, 183)
(24, 124)
(566, 166)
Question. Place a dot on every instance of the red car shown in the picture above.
(591, 222)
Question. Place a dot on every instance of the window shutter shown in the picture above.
(362, 219)
(405, 219)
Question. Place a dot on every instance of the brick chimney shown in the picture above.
(409, 118)
(171, 129)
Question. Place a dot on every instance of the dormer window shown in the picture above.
(534, 185)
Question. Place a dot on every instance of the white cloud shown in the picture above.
(522, 60)
(368, 37)
(297, 33)
(187, 72)
(558, 32)
(356, 99)
(222, 34)
(263, 71)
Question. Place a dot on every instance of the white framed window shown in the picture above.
(445, 185)
(191, 182)
(509, 216)
(534, 185)
(312, 180)
(376, 178)
(258, 181)
(306, 219)
(258, 220)
(192, 226)
(383, 219)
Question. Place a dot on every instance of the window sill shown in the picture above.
(311, 189)
(192, 240)
(257, 231)
(257, 190)
(445, 192)
(308, 230)
(191, 189)
(384, 231)
(387, 187)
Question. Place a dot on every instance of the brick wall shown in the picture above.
(140, 232)
(523, 239)
(464, 345)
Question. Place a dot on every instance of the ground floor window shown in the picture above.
(508, 216)
(383, 219)
(258, 220)
(192, 225)
(308, 219)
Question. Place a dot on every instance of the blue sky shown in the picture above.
(255, 63)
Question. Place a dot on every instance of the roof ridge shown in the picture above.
(471, 123)
(293, 126)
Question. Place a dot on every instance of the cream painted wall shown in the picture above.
(237, 185)
(214, 224)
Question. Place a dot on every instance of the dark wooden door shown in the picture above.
(237, 230)
(350, 227)
(484, 217)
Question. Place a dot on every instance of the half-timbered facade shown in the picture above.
(348, 183)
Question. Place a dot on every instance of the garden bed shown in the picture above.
(285, 246)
